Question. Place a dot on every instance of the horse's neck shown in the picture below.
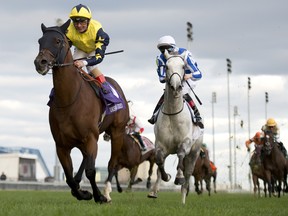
(67, 82)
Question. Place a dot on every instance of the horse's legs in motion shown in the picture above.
(189, 164)
(196, 184)
(150, 172)
(133, 173)
(155, 188)
(119, 188)
(66, 162)
(160, 161)
(214, 181)
(180, 180)
(116, 146)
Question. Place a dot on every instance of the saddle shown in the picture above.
(112, 100)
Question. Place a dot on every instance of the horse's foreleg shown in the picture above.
(91, 152)
(160, 161)
(179, 180)
(66, 162)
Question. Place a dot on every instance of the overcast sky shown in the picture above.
(253, 34)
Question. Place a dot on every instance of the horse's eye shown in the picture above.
(58, 41)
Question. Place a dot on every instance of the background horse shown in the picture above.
(202, 171)
(76, 112)
(131, 157)
(174, 130)
(257, 171)
(214, 175)
(274, 163)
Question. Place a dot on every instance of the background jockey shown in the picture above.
(135, 128)
(271, 125)
(192, 74)
(258, 145)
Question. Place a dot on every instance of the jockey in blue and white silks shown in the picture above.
(192, 74)
(191, 70)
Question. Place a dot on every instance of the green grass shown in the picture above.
(52, 203)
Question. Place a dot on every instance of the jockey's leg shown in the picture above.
(195, 110)
(283, 149)
(137, 135)
(101, 79)
(153, 119)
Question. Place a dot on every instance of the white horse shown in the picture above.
(175, 132)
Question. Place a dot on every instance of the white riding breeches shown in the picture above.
(80, 54)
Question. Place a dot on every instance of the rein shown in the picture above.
(171, 114)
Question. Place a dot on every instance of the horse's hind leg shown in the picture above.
(119, 188)
(132, 181)
(155, 189)
(150, 172)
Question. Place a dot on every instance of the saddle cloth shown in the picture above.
(149, 145)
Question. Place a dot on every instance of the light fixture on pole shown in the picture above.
(266, 102)
(213, 132)
(189, 35)
(229, 71)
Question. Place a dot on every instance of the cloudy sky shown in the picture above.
(252, 34)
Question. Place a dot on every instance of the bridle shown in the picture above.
(168, 81)
(60, 55)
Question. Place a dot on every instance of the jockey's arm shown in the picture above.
(192, 67)
(161, 69)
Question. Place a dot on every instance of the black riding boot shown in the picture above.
(195, 110)
(137, 135)
(153, 119)
(283, 149)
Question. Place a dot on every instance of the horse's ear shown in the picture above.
(43, 27)
(166, 54)
(65, 26)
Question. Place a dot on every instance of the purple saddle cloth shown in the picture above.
(112, 100)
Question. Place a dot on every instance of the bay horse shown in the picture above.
(257, 171)
(202, 171)
(131, 157)
(76, 113)
(274, 163)
(175, 132)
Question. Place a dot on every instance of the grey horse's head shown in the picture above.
(174, 70)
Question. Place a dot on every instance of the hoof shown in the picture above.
(152, 195)
(82, 194)
(179, 181)
(102, 199)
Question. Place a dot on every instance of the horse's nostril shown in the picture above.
(43, 62)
